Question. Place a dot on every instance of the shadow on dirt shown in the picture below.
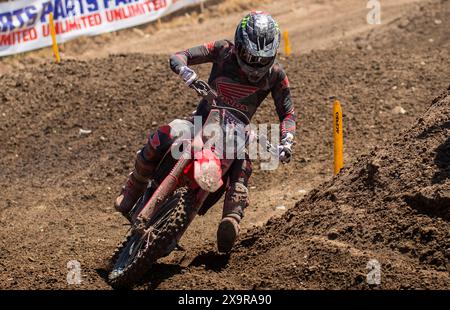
(158, 273)
(434, 201)
(103, 273)
(431, 204)
(152, 279)
(436, 128)
(442, 160)
(211, 260)
(161, 271)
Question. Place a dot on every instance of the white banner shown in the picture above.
(24, 24)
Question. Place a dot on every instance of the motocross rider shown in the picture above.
(243, 73)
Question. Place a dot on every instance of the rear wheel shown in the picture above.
(140, 250)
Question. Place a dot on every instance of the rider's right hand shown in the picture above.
(188, 75)
(285, 148)
(285, 154)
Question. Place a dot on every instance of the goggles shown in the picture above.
(253, 61)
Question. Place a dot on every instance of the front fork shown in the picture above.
(165, 189)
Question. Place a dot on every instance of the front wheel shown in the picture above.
(141, 249)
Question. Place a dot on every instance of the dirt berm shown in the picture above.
(392, 206)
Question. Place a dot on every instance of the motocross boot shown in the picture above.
(228, 232)
(236, 200)
(136, 184)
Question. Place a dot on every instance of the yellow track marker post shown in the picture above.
(54, 43)
(338, 137)
(287, 44)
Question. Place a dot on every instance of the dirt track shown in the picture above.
(312, 24)
(57, 185)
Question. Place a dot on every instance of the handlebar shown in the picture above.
(210, 95)
(204, 90)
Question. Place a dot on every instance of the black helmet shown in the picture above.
(257, 40)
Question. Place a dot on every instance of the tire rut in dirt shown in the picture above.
(169, 223)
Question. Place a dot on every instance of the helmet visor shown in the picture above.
(253, 61)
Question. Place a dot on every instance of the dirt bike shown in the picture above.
(180, 189)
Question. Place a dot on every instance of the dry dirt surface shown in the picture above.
(312, 24)
(391, 208)
(390, 203)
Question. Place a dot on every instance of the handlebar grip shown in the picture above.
(200, 87)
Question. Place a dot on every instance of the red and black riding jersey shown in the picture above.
(233, 86)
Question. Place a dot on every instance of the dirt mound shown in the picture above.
(393, 205)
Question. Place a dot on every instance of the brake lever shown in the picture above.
(200, 88)
(205, 91)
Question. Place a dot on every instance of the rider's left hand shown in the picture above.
(286, 149)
